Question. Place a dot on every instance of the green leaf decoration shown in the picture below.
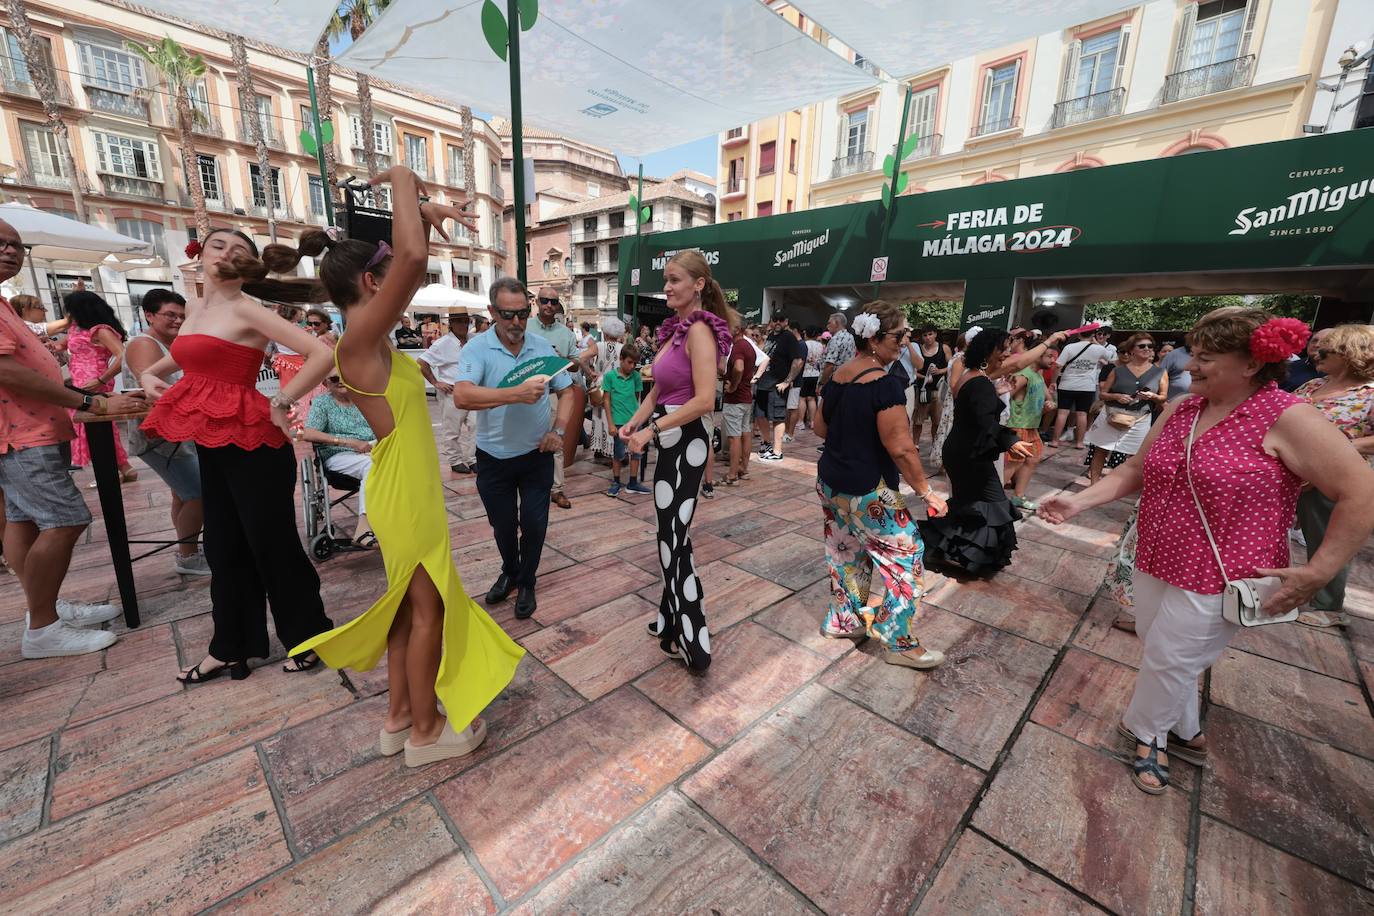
(644, 215)
(327, 131)
(910, 144)
(902, 181)
(889, 164)
(634, 202)
(494, 29)
(887, 195)
(308, 142)
(529, 12)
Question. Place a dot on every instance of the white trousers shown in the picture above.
(354, 465)
(457, 444)
(557, 471)
(1184, 634)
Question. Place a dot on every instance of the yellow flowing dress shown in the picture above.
(405, 502)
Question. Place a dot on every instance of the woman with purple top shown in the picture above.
(675, 415)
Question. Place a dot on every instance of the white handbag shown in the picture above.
(1242, 601)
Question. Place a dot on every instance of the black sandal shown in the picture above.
(236, 670)
(305, 662)
(1149, 765)
(366, 541)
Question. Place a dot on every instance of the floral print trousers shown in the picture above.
(864, 533)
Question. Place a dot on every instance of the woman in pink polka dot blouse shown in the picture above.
(1254, 446)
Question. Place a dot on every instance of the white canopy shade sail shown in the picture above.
(910, 37)
(634, 75)
(295, 25)
(55, 238)
(439, 299)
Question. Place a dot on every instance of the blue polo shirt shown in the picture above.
(513, 430)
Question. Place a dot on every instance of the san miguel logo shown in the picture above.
(1325, 199)
(799, 249)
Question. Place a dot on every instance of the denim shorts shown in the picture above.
(180, 470)
(39, 489)
(620, 449)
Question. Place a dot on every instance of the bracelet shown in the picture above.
(653, 424)
(283, 400)
(926, 494)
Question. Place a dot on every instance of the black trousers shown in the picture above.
(677, 481)
(255, 553)
(515, 493)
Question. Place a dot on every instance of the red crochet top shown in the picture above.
(215, 402)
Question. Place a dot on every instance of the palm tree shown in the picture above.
(469, 159)
(353, 17)
(45, 82)
(248, 105)
(180, 69)
(324, 97)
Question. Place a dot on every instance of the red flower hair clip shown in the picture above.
(193, 249)
(1278, 339)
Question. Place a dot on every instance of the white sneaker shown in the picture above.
(61, 638)
(79, 614)
(194, 565)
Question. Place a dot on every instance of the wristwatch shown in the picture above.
(557, 432)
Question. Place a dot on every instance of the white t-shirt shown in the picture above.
(814, 351)
(442, 357)
(1079, 364)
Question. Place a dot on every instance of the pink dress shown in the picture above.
(1249, 496)
(88, 360)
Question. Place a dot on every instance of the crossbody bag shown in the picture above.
(1242, 600)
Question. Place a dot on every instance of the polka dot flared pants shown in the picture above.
(677, 480)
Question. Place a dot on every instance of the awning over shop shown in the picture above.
(635, 77)
(907, 38)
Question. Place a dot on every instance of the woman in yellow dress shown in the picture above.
(439, 642)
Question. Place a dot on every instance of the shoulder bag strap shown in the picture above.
(835, 404)
(1079, 353)
(1188, 473)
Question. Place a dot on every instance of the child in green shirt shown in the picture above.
(621, 388)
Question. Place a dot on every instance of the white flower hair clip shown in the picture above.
(866, 325)
(971, 333)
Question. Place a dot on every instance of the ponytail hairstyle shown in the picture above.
(87, 310)
(343, 265)
(712, 296)
(253, 270)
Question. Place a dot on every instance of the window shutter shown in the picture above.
(842, 135)
(1185, 35)
(1121, 48)
(154, 161)
(1251, 13)
(987, 97)
(357, 125)
(1071, 71)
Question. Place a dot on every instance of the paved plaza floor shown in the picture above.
(798, 775)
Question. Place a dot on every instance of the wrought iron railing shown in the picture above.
(130, 186)
(1089, 107)
(119, 103)
(994, 126)
(1217, 77)
(852, 164)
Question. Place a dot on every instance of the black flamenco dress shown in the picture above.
(978, 535)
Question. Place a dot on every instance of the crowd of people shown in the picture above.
(1230, 439)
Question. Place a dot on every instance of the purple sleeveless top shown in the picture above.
(672, 368)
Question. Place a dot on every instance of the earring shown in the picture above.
(984, 367)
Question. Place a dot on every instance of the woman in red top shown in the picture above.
(247, 465)
(1252, 447)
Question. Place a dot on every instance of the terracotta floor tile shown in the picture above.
(137, 647)
(1322, 651)
(748, 529)
(791, 560)
(42, 673)
(583, 586)
(706, 548)
(1239, 874)
(332, 777)
(981, 879)
(40, 712)
(181, 844)
(601, 649)
(124, 688)
(1075, 813)
(731, 594)
(1033, 610)
(530, 809)
(804, 510)
(402, 862)
(1305, 797)
(752, 670)
(799, 616)
(1058, 567)
(666, 859)
(970, 704)
(1097, 634)
(823, 781)
(23, 782)
(1089, 534)
(114, 755)
(1296, 699)
(597, 535)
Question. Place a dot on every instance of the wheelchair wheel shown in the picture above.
(322, 547)
(716, 441)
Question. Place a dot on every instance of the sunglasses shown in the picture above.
(315, 324)
(553, 301)
(1143, 346)
(1323, 354)
(513, 314)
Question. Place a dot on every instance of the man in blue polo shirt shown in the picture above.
(517, 437)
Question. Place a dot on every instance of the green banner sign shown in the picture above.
(1290, 204)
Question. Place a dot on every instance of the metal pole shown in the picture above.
(319, 146)
(517, 143)
(639, 198)
(33, 272)
(896, 171)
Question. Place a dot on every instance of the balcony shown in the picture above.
(383, 159)
(207, 126)
(497, 193)
(1089, 107)
(270, 136)
(994, 126)
(734, 187)
(456, 179)
(264, 212)
(27, 176)
(220, 204)
(852, 164)
(736, 136)
(590, 235)
(117, 103)
(129, 186)
(587, 304)
(26, 88)
(603, 266)
(1217, 77)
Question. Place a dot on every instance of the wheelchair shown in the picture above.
(321, 534)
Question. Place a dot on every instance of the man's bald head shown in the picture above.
(11, 251)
